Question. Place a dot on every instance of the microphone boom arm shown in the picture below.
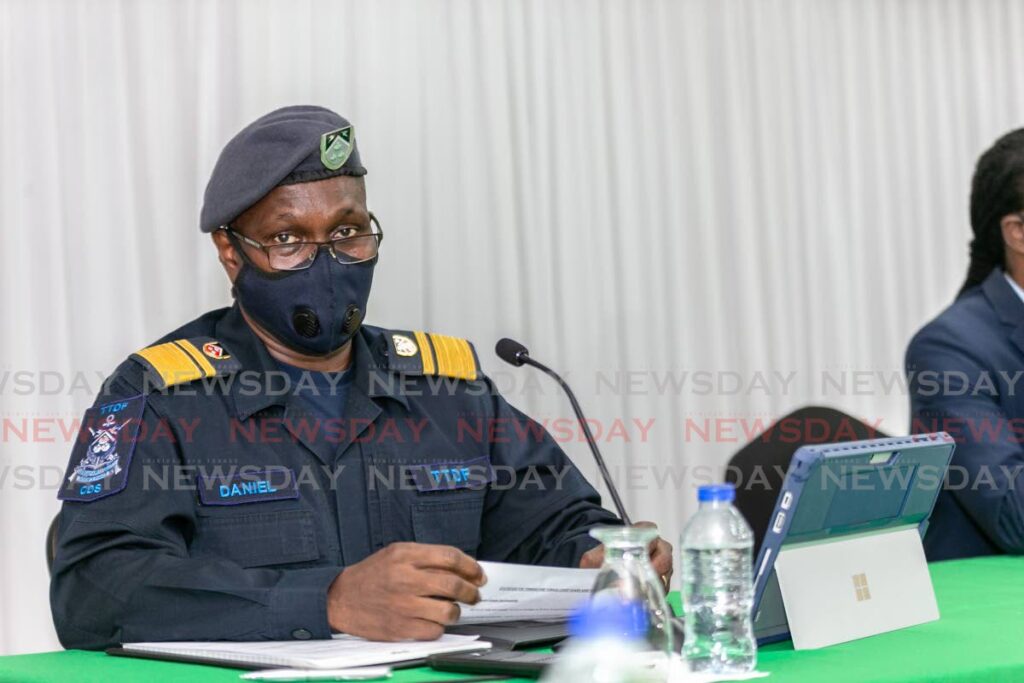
(619, 507)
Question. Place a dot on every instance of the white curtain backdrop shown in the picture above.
(769, 192)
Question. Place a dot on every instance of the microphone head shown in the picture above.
(511, 351)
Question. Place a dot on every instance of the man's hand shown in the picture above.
(660, 552)
(405, 591)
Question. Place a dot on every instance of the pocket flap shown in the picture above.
(449, 522)
(258, 539)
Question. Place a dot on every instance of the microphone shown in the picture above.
(514, 353)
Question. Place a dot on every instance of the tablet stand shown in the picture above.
(856, 586)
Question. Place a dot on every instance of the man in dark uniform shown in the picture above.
(277, 469)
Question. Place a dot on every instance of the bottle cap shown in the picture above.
(609, 619)
(716, 493)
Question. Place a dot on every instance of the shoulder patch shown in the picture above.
(103, 450)
(426, 353)
(185, 360)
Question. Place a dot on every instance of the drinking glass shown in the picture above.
(627, 576)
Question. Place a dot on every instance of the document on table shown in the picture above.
(341, 651)
(520, 592)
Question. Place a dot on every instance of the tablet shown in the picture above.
(836, 491)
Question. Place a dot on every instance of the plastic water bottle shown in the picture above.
(608, 645)
(717, 585)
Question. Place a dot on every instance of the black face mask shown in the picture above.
(313, 311)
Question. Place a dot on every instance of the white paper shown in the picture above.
(362, 673)
(517, 592)
(340, 651)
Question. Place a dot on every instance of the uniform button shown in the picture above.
(301, 634)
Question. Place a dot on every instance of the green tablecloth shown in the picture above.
(980, 637)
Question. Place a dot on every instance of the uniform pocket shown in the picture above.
(449, 522)
(258, 539)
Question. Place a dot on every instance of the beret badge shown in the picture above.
(335, 147)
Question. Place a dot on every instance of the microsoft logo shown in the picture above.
(860, 587)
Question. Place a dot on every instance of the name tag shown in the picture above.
(446, 476)
(248, 485)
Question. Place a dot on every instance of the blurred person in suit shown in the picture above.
(965, 370)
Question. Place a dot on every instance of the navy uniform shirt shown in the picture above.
(223, 507)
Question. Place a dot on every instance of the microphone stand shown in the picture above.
(524, 357)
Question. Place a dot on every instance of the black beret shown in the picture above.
(290, 145)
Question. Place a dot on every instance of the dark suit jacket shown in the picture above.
(966, 376)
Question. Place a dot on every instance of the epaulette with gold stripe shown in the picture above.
(185, 360)
(426, 353)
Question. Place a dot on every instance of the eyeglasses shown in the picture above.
(300, 255)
